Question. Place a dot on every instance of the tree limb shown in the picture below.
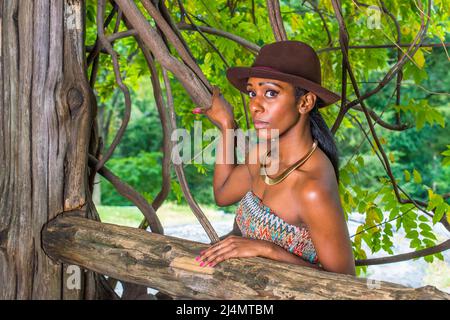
(405, 256)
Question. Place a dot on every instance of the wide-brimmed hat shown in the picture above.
(289, 61)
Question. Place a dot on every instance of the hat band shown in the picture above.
(265, 68)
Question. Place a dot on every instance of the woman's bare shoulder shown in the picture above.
(315, 184)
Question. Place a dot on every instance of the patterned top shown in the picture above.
(258, 221)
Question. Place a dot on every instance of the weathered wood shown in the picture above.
(45, 126)
(168, 264)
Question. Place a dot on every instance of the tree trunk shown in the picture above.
(45, 114)
(167, 264)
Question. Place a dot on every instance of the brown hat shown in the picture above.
(289, 61)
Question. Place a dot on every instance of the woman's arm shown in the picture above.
(231, 180)
(239, 247)
(274, 252)
(328, 229)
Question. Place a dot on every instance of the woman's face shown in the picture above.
(272, 105)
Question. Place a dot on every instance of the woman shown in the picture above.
(293, 215)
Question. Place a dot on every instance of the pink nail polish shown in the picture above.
(196, 110)
(197, 258)
(202, 264)
(211, 265)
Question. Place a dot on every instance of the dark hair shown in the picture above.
(321, 132)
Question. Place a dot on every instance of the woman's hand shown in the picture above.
(233, 247)
(220, 113)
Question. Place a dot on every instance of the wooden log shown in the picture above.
(168, 264)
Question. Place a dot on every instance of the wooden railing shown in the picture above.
(168, 264)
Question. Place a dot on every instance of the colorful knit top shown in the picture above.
(258, 221)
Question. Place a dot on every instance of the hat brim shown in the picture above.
(238, 77)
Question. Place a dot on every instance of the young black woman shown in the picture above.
(298, 219)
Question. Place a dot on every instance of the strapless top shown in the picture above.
(258, 221)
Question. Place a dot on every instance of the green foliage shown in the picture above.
(142, 172)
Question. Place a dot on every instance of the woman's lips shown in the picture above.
(261, 124)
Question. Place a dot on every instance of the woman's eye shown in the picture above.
(251, 94)
(271, 93)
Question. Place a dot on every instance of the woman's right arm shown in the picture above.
(231, 181)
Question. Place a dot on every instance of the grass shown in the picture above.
(169, 214)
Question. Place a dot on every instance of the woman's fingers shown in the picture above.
(208, 252)
(219, 255)
(217, 250)
(216, 94)
(197, 110)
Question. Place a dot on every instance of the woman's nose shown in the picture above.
(256, 105)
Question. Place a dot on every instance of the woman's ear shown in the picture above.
(306, 102)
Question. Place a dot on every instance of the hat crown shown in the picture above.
(292, 57)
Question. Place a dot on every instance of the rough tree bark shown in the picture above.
(45, 114)
(168, 264)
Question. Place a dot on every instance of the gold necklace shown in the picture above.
(271, 181)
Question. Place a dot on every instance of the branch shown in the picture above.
(319, 12)
(387, 46)
(175, 41)
(382, 123)
(199, 93)
(95, 49)
(212, 234)
(405, 256)
(276, 21)
(165, 123)
(128, 192)
(253, 48)
(220, 55)
(126, 118)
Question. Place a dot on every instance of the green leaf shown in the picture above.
(362, 206)
(407, 175)
(425, 227)
(441, 209)
(419, 58)
(412, 234)
(417, 177)
(434, 200)
(394, 213)
(360, 160)
(414, 243)
(428, 235)
(428, 242)
(446, 154)
(439, 256)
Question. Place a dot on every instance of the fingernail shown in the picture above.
(211, 265)
(196, 110)
(197, 258)
(202, 264)
(202, 252)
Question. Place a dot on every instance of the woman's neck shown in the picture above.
(294, 143)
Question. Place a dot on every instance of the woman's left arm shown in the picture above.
(324, 216)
